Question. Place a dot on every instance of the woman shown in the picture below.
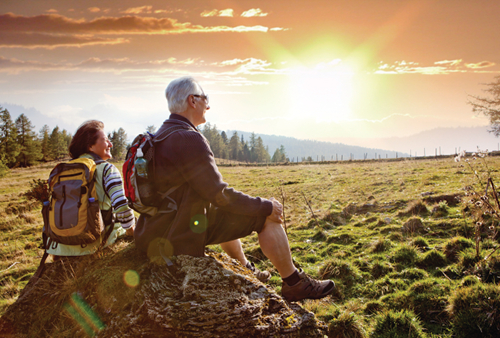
(90, 141)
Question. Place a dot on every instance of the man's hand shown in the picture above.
(277, 214)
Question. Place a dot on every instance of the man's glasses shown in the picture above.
(204, 97)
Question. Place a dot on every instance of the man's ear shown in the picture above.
(191, 101)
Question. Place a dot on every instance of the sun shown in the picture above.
(323, 93)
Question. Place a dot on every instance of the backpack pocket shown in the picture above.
(68, 196)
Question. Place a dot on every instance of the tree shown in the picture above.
(119, 141)
(57, 144)
(489, 106)
(8, 138)
(44, 143)
(279, 154)
(234, 147)
(29, 152)
(151, 129)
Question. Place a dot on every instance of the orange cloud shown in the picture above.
(253, 12)
(40, 40)
(479, 65)
(57, 30)
(94, 9)
(138, 10)
(449, 62)
(215, 12)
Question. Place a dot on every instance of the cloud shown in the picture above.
(215, 12)
(52, 11)
(94, 9)
(479, 65)
(138, 10)
(253, 12)
(54, 30)
(49, 41)
(449, 62)
(15, 66)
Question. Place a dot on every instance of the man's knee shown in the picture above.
(273, 225)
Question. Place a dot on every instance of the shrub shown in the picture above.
(347, 325)
(402, 324)
(469, 281)
(380, 269)
(413, 225)
(420, 243)
(429, 297)
(467, 258)
(455, 245)
(381, 245)
(373, 307)
(414, 208)
(432, 258)
(405, 254)
(410, 274)
(338, 269)
(4, 170)
(475, 311)
(39, 190)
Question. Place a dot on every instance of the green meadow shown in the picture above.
(410, 257)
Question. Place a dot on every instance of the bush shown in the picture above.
(347, 325)
(381, 245)
(410, 274)
(475, 311)
(380, 269)
(455, 245)
(402, 324)
(338, 269)
(373, 307)
(467, 258)
(420, 243)
(432, 258)
(4, 170)
(405, 254)
(39, 191)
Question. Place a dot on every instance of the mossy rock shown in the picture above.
(124, 295)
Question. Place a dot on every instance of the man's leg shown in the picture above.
(296, 285)
(234, 250)
(274, 245)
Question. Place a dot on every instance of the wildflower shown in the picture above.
(479, 203)
(457, 158)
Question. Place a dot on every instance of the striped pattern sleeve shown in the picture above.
(113, 184)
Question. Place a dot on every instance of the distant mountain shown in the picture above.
(317, 150)
(446, 141)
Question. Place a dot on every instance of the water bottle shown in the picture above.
(141, 164)
(91, 199)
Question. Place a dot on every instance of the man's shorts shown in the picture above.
(224, 226)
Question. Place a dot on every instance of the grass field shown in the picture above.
(392, 235)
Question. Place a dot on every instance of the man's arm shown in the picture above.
(195, 161)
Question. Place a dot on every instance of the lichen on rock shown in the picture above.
(196, 297)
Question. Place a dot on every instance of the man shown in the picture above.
(208, 211)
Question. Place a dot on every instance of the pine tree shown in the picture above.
(234, 146)
(8, 138)
(44, 143)
(57, 144)
(26, 138)
(119, 141)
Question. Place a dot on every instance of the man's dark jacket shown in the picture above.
(185, 159)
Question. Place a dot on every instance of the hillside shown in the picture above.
(296, 148)
(410, 250)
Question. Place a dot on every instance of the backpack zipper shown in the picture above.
(62, 204)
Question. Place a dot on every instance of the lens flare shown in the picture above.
(198, 224)
(131, 278)
(81, 312)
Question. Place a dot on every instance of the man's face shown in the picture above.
(202, 106)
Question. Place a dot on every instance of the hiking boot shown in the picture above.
(263, 276)
(307, 288)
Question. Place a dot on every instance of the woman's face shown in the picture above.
(102, 146)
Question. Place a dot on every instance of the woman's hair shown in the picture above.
(177, 92)
(85, 137)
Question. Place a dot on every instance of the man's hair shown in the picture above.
(177, 92)
(85, 137)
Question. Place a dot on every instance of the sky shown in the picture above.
(330, 70)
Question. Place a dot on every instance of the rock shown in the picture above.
(123, 294)
(414, 224)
